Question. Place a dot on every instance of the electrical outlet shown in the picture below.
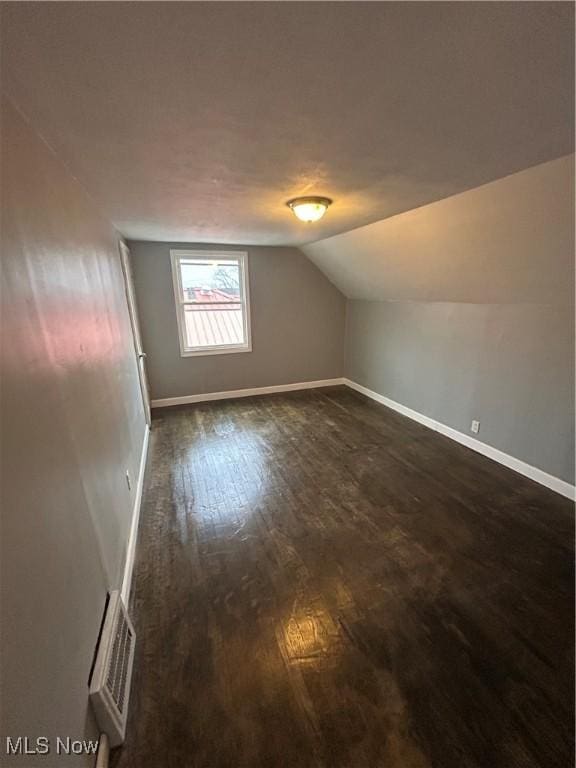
(128, 480)
(475, 427)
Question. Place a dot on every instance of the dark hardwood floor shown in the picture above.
(322, 582)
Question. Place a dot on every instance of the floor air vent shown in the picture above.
(110, 684)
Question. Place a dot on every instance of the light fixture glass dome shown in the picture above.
(309, 208)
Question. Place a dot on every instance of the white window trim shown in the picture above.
(238, 256)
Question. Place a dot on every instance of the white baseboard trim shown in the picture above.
(244, 392)
(554, 483)
(132, 539)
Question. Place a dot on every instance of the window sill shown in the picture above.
(214, 351)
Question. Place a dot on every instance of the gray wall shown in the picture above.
(464, 309)
(510, 366)
(72, 423)
(297, 317)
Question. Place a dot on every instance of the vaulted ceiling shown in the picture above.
(510, 241)
(197, 121)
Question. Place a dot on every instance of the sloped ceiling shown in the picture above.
(197, 121)
(510, 241)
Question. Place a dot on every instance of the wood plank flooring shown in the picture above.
(323, 582)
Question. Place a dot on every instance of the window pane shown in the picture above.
(210, 283)
(217, 325)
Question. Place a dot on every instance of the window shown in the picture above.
(212, 302)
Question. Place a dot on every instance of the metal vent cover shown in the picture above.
(110, 683)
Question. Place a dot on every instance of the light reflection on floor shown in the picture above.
(224, 475)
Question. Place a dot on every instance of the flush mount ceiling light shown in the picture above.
(309, 208)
